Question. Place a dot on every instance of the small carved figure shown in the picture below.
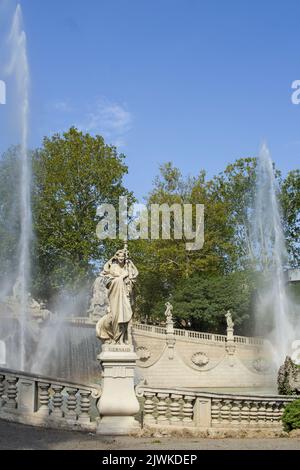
(229, 320)
(169, 312)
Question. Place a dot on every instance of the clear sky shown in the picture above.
(197, 82)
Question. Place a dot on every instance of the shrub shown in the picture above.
(291, 416)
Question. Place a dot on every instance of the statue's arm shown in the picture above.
(133, 272)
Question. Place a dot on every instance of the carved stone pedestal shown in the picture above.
(230, 344)
(118, 403)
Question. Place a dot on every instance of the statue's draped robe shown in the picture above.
(119, 295)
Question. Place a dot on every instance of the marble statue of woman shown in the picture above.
(120, 274)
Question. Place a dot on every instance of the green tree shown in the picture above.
(202, 301)
(290, 199)
(168, 262)
(235, 186)
(73, 174)
(229, 200)
(291, 416)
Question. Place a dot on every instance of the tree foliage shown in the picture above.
(204, 284)
(291, 416)
(202, 300)
(74, 172)
(290, 199)
(168, 260)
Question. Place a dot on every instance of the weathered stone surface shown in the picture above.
(118, 403)
(289, 378)
(29, 399)
(217, 366)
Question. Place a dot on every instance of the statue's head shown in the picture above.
(120, 256)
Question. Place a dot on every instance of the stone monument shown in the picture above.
(288, 379)
(230, 344)
(118, 403)
(169, 317)
(170, 339)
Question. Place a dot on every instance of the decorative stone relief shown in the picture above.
(200, 359)
(261, 365)
(143, 353)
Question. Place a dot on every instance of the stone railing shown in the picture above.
(203, 410)
(197, 335)
(178, 332)
(248, 340)
(43, 401)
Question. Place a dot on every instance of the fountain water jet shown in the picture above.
(19, 69)
(270, 256)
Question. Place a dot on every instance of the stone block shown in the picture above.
(118, 403)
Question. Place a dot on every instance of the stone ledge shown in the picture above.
(214, 433)
(46, 422)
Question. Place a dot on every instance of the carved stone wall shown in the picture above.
(203, 363)
(186, 358)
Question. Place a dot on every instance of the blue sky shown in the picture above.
(197, 82)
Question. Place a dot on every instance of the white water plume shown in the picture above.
(270, 255)
(18, 69)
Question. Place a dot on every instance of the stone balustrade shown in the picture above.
(198, 335)
(203, 410)
(178, 332)
(42, 401)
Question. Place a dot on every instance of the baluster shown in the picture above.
(2, 389)
(269, 413)
(261, 414)
(225, 412)
(235, 412)
(253, 413)
(12, 392)
(175, 409)
(149, 407)
(245, 413)
(162, 408)
(278, 412)
(44, 398)
(188, 410)
(71, 403)
(85, 406)
(216, 411)
(57, 401)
